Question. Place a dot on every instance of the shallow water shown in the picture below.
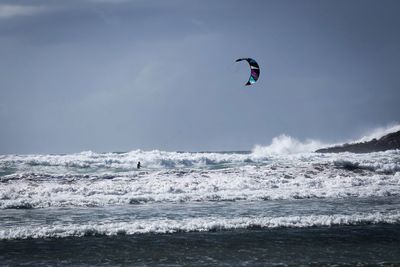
(159, 218)
(362, 245)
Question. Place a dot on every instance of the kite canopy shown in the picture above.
(255, 70)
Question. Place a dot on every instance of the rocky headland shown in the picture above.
(387, 142)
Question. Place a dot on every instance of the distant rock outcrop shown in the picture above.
(387, 142)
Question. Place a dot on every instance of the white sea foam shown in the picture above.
(162, 225)
(305, 175)
(285, 144)
(284, 170)
(124, 161)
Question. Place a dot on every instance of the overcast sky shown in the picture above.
(119, 75)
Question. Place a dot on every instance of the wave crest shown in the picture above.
(378, 133)
(196, 225)
(284, 144)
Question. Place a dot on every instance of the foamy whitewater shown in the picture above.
(280, 204)
(282, 185)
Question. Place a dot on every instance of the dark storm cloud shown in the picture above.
(120, 75)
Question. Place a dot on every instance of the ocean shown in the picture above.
(251, 208)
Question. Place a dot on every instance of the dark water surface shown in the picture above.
(345, 245)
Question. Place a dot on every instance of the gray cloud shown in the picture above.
(8, 11)
(109, 76)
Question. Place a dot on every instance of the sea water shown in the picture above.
(209, 208)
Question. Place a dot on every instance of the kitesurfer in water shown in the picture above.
(138, 165)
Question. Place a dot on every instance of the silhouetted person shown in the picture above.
(138, 165)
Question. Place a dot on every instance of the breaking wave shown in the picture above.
(161, 226)
(378, 133)
(283, 170)
(123, 161)
(284, 144)
(295, 177)
(287, 145)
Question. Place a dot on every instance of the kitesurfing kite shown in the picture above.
(255, 70)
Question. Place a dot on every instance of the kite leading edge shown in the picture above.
(254, 68)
